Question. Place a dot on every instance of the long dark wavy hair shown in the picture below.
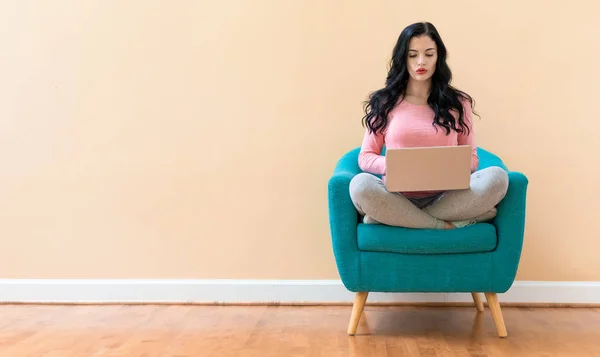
(443, 98)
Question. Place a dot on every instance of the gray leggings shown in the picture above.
(488, 188)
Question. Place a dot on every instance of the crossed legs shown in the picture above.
(488, 187)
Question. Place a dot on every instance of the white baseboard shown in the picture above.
(264, 291)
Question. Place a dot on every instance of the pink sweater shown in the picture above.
(410, 125)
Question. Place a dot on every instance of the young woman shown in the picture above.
(419, 107)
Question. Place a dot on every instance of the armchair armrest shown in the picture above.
(343, 218)
(510, 227)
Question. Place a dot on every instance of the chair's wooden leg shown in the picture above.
(478, 301)
(357, 309)
(494, 304)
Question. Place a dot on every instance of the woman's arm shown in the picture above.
(469, 139)
(370, 158)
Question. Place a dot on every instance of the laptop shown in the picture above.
(437, 168)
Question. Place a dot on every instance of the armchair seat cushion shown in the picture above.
(477, 238)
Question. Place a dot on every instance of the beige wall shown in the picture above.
(188, 140)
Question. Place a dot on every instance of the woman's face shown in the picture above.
(422, 58)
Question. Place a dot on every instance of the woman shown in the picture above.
(419, 107)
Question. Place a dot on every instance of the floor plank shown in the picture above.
(187, 330)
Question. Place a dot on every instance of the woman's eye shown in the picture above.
(429, 55)
(412, 56)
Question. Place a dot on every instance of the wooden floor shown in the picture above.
(134, 331)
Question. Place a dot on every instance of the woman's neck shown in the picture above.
(418, 89)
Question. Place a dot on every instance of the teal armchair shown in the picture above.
(482, 258)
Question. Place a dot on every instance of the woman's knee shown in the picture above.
(497, 181)
(362, 185)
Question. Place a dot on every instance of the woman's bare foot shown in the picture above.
(448, 225)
